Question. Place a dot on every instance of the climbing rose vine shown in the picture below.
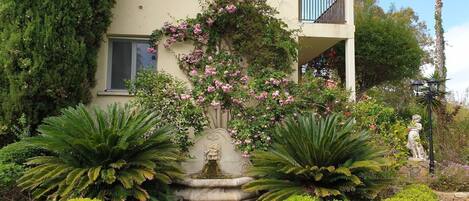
(241, 63)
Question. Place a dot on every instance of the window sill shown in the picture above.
(124, 93)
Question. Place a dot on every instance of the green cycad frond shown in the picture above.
(321, 157)
(106, 154)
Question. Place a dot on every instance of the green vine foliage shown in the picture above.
(241, 63)
(386, 128)
(47, 57)
(170, 100)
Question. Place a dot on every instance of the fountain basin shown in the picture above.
(191, 189)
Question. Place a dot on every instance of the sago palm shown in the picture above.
(320, 157)
(104, 154)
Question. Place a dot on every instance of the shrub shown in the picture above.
(102, 154)
(9, 173)
(320, 157)
(302, 198)
(19, 152)
(169, 99)
(12, 158)
(40, 74)
(386, 129)
(415, 193)
(452, 177)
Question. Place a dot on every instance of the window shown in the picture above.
(126, 58)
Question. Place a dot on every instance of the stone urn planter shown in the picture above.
(215, 170)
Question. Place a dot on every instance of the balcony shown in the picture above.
(322, 11)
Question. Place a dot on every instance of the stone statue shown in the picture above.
(413, 139)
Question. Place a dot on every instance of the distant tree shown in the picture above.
(48, 55)
(389, 45)
(440, 64)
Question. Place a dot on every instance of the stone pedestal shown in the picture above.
(415, 170)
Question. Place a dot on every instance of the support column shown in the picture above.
(350, 51)
(350, 67)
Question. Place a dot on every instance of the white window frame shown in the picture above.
(133, 70)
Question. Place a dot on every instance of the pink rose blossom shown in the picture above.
(172, 29)
(276, 94)
(200, 99)
(262, 96)
(197, 29)
(210, 89)
(151, 50)
(218, 84)
(209, 71)
(185, 96)
(231, 8)
(227, 88)
(193, 73)
(182, 26)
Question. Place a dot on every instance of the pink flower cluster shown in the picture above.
(276, 82)
(151, 50)
(211, 89)
(193, 73)
(262, 96)
(185, 96)
(287, 101)
(225, 87)
(231, 8)
(193, 57)
(200, 99)
(180, 33)
(175, 33)
(209, 71)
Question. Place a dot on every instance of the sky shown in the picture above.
(456, 25)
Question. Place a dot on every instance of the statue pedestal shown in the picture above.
(214, 144)
(415, 170)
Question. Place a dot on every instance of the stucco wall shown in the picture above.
(138, 18)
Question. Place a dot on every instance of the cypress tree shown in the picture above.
(48, 53)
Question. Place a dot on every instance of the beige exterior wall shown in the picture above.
(137, 19)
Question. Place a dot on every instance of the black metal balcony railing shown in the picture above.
(322, 11)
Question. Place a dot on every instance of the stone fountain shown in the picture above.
(215, 170)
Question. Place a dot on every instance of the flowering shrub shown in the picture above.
(241, 63)
(170, 99)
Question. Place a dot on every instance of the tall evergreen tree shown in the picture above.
(48, 55)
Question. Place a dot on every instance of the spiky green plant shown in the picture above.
(322, 157)
(104, 154)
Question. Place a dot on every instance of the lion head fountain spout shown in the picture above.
(211, 169)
